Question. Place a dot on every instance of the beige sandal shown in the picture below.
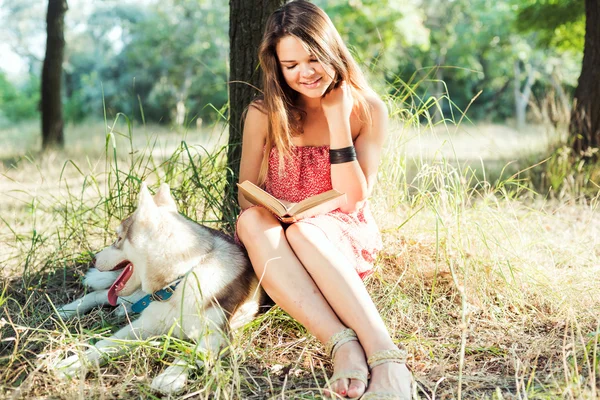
(331, 347)
(382, 357)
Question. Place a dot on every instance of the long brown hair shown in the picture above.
(309, 24)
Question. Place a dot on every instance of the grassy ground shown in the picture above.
(491, 287)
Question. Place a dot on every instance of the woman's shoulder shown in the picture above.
(376, 105)
(256, 111)
(256, 121)
(258, 105)
(374, 121)
(376, 109)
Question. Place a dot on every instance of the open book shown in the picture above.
(291, 212)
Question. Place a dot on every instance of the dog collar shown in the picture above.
(160, 295)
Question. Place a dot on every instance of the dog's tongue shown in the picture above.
(119, 284)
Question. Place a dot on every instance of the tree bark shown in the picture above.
(52, 115)
(247, 20)
(584, 128)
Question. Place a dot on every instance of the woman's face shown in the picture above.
(301, 70)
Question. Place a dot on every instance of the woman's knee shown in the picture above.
(254, 221)
(300, 234)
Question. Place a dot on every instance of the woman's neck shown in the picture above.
(309, 104)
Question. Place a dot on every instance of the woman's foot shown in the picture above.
(349, 360)
(390, 378)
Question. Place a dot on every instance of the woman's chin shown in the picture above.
(312, 93)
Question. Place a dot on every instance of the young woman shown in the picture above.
(319, 126)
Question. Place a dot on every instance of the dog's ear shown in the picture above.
(146, 205)
(163, 198)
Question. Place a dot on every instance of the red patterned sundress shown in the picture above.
(307, 172)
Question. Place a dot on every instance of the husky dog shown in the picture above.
(195, 282)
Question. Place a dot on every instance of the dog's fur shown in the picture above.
(219, 289)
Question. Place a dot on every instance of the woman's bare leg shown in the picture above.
(346, 294)
(288, 283)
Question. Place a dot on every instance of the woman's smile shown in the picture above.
(312, 84)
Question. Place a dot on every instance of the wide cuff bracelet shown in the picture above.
(344, 155)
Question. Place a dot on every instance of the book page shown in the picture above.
(257, 196)
(316, 200)
(321, 208)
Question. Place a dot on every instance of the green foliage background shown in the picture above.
(143, 58)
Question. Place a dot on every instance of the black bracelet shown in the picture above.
(340, 156)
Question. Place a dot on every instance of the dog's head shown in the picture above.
(142, 249)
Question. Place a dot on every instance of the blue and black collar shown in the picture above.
(160, 295)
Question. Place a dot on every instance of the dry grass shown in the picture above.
(529, 276)
(493, 290)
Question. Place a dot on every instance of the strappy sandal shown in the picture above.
(331, 347)
(382, 357)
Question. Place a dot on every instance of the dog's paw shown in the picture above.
(69, 368)
(122, 310)
(171, 381)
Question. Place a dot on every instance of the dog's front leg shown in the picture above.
(78, 364)
(209, 334)
(98, 298)
(173, 379)
(83, 304)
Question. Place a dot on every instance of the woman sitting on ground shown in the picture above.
(320, 126)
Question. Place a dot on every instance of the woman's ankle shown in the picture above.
(375, 346)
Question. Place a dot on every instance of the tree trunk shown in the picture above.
(52, 115)
(584, 128)
(522, 93)
(247, 20)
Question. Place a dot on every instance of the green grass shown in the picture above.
(490, 286)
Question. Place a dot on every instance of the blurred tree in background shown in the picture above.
(585, 119)
(572, 25)
(164, 63)
(52, 70)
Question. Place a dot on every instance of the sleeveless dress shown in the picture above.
(307, 173)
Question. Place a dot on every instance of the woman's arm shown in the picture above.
(355, 178)
(253, 141)
(370, 140)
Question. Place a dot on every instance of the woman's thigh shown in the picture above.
(253, 223)
(310, 243)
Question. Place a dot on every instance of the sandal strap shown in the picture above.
(386, 356)
(354, 375)
(338, 339)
